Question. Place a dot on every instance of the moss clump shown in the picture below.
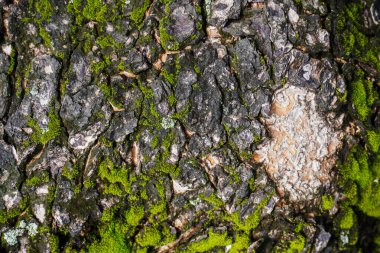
(327, 202)
(97, 67)
(162, 166)
(54, 129)
(105, 41)
(169, 77)
(356, 168)
(45, 37)
(252, 221)
(241, 243)
(138, 12)
(112, 240)
(134, 215)
(351, 41)
(118, 178)
(212, 241)
(54, 243)
(154, 142)
(157, 209)
(213, 199)
(44, 9)
(167, 41)
(373, 140)
(181, 115)
(110, 94)
(167, 168)
(347, 219)
(63, 87)
(70, 172)
(149, 236)
(361, 95)
(6, 215)
(37, 180)
(12, 63)
(369, 202)
(359, 177)
(296, 245)
(95, 10)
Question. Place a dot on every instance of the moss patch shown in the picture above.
(213, 240)
(361, 95)
(327, 202)
(148, 236)
(347, 219)
(112, 240)
(43, 136)
(138, 12)
(117, 178)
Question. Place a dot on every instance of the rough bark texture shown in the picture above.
(189, 125)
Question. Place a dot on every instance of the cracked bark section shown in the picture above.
(188, 124)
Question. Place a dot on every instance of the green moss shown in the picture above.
(154, 142)
(369, 201)
(106, 89)
(213, 199)
(351, 41)
(138, 12)
(231, 170)
(212, 241)
(116, 177)
(373, 140)
(110, 95)
(167, 41)
(252, 221)
(44, 9)
(97, 67)
(59, 55)
(361, 96)
(105, 41)
(167, 168)
(168, 235)
(169, 77)
(377, 240)
(37, 180)
(95, 10)
(112, 240)
(54, 129)
(197, 70)
(63, 87)
(148, 236)
(241, 243)
(12, 63)
(182, 114)
(327, 202)
(54, 243)
(375, 166)
(152, 110)
(45, 37)
(296, 245)
(348, 43)
(299, 227)
(6, 215)
(18, 87)
(357, 168)
(134, 215)
(146, 91)
(121, 65)
(347, 219)
(159, 207)
(162, 166)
